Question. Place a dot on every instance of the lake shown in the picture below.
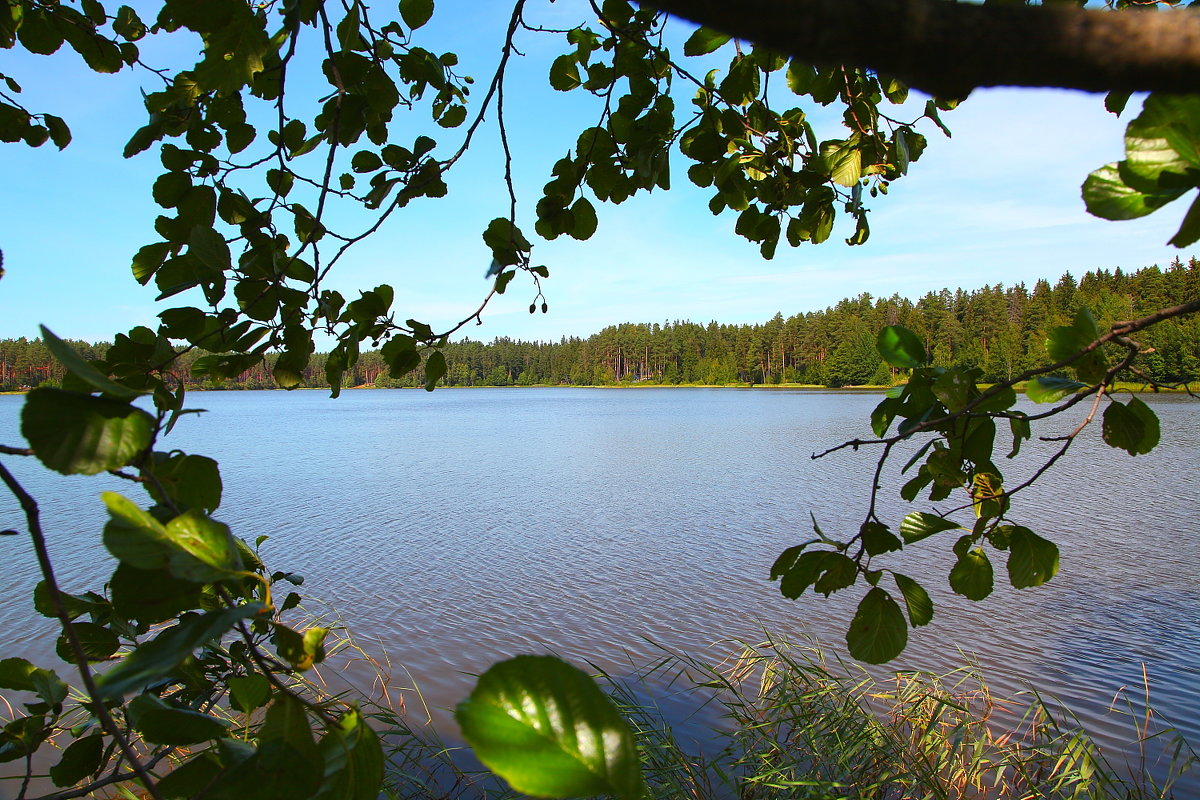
(456, 528)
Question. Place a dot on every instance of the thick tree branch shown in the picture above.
(949, 48)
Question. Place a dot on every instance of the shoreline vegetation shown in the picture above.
(1001, 331)
(780, 720)
(1136, 388)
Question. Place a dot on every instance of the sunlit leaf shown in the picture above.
(918, 525)
(546, 728)
(920, 606)
(191, 546)
(1050, 389)
(703, 41)
(900, 347)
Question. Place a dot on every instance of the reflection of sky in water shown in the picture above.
(468, 525)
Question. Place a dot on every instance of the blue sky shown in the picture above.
(998, 202)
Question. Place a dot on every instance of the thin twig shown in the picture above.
(97, 707)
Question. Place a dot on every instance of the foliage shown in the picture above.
(205, 695)
(958, 422)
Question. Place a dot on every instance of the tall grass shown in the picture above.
(795, 725)
(782, 720)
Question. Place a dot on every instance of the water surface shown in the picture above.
(456, 528)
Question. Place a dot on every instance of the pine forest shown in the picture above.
(1000, 330)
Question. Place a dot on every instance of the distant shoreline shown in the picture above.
(1138, 388)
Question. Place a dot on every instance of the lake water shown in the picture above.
(463, 526)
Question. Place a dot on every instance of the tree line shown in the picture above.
(1000, 330)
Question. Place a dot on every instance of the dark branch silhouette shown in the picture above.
(950, 48)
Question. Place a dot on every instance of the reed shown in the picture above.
(780, 720)
(787, 720)
(796, 724)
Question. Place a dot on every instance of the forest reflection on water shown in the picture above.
(463, 526)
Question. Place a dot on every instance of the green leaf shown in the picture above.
(584, 214)
(1066, 341)
(1050, 389)
(1108, 196)
(703, 41)
(1019, 425)
(288, 763)
(564, 73)
(97, 642)
(878, 632)
(900, 347)
(786, 560)
(19, 674)
(506, 242)
(1125, 429)
(954, 388)
(1189, 229)
(987, 493)
(1114, 102)
(192, 482)
(128, 25)
(60, 134)
(152, 660)
(920, 606)
(353, 760)
(191, 546)
(919, 525)
(161, 723)
(74, 362)
(1151, 431)
(22, 737)
(435, 369)
(971, 575)
(151, 595)
(82, 758)
(301, 650)
(1003, 399)
(884, 413)
(248, 692)
(454, 116)
(1032, 560)
(15, 674)
(416, 12)
(877, 539)
(209, 248)
(76, 433)
(365, 161)
(191, 778)
(843, 160)
(825, 570)
(546, 728)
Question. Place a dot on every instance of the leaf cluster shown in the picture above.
(956, 420)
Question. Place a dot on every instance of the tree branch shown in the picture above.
(949, 48)
(96, 704)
